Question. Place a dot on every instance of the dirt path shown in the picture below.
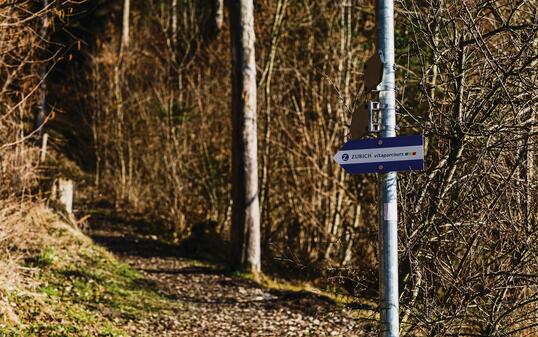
(216, 303)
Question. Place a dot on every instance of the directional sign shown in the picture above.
(382, 155)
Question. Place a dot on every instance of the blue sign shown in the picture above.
(382, 155)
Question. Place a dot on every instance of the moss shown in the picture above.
(46, 258)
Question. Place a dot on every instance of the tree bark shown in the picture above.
(245, 209)
(125, 28)
(218, 15)
(118, 79)
(42, 111)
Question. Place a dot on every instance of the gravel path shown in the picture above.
(215, 303)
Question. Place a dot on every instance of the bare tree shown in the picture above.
(469, 243)
(42, 107)
(245, 209)
(267, 77)
(118, 80)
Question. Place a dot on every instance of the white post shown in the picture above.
(43, 154)
(66, 188)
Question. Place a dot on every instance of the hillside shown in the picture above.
(57, 282)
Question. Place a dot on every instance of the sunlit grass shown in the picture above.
(75, 288)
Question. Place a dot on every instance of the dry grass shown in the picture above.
(55, 282)
(28, 230)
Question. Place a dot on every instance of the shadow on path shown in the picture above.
(220, 303)
(125, 244)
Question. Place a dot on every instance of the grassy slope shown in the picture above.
(67, 286)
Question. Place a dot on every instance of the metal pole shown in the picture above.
(388, 207)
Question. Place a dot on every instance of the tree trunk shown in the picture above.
(174, 26)
(125, 28)
(42, 112)
(268, 75)
(245, 209)
(218, 15)
(118, 74)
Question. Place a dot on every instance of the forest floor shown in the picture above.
(213, 302)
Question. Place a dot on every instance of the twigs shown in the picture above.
(474, 183)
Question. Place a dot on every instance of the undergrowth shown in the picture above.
(67, 286)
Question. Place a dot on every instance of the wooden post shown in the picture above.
(43, 154)
(66, 188)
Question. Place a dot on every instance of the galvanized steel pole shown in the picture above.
(388, 204)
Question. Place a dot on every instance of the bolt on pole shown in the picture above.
(388, 202)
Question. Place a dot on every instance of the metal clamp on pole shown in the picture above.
(374, 116)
